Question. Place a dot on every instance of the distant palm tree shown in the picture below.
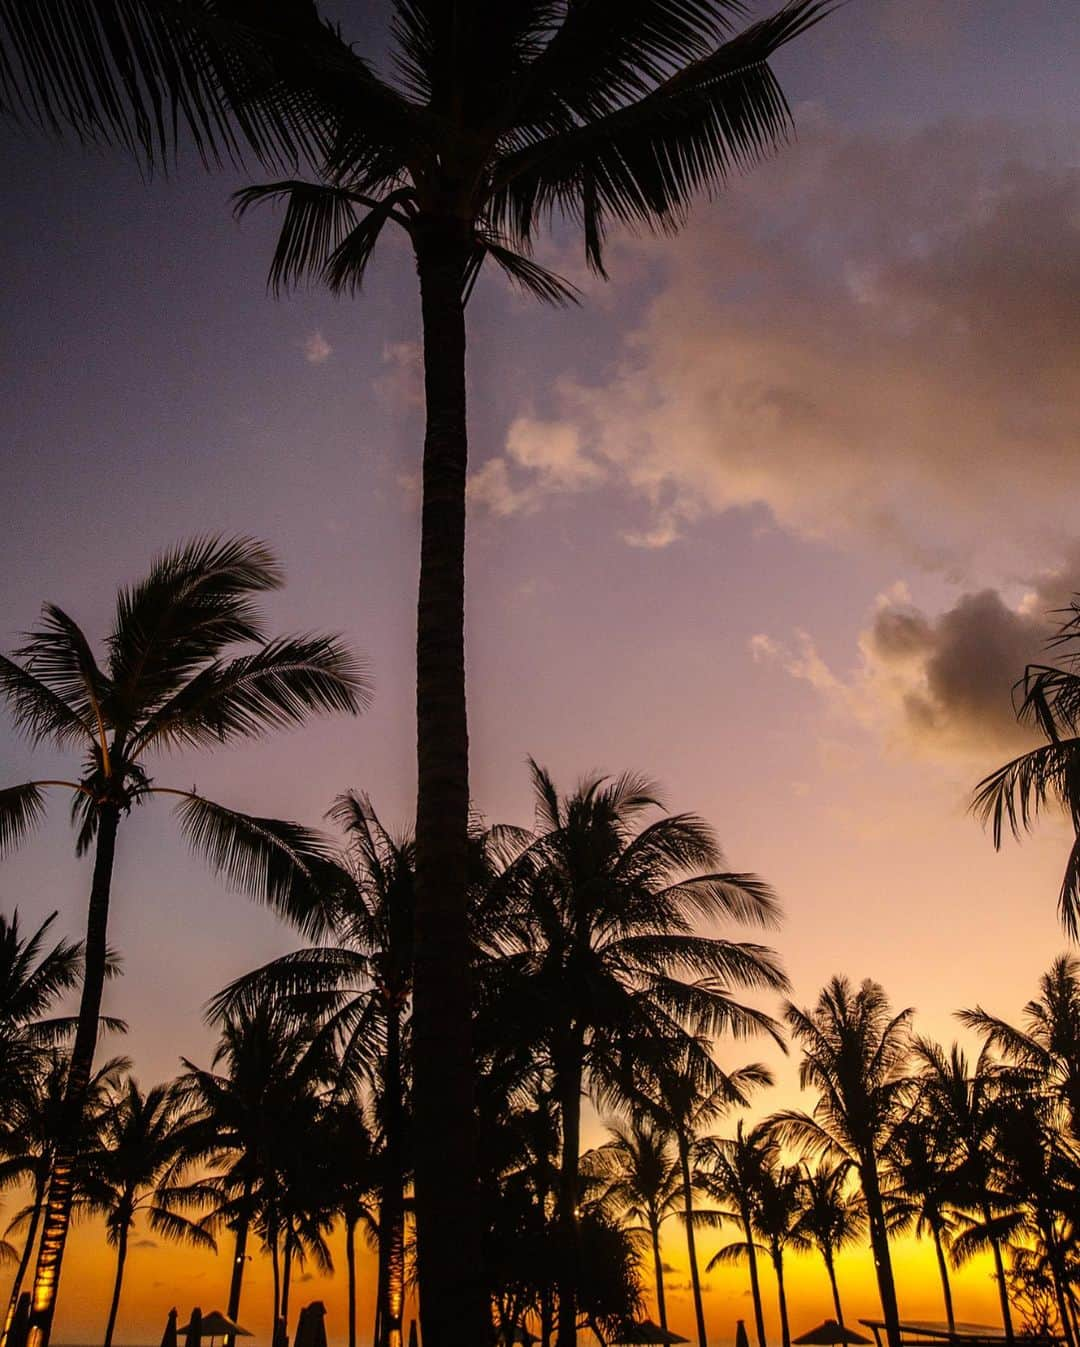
(732, 1170)
(354, 1167)
(28, 1139)
(499, 117)
(642, 1182)
(599, 914)
(855, 1053)
(32, 979)
(775, 1222)
(830, 1217)
(686, 1094)
(1017, 793)
(168, 682)
(140, 1148)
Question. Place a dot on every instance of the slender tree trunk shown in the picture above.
(691, 1247)
(236, 1279)
(546, 1317)
(830, 1265)
(121, 1258)
(453, 1294)
(286, 1281)
(999, 1273)
(879, 1247)
(62, 1183)
(27, 1253)
(781, 1296)
(275, 1268)
(570, 1109)
(391, 1281)
(755, 1281)
(943, 1269)
(1060, 1276)
(350, 1264)
(658, 1266)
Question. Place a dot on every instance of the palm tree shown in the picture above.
(28, 1139)
(598, 912)
(354, 1164)
(685, 1094)
(501, 116)
(1049, 1043)
(139, 1152)
(733, 1171)
(244, 1116)
(774, 1219)
(642, 1182)
(32, 979)
(1016, 794)
(855, 1051)
(830, 1217)
(358, 987)
(168, 682)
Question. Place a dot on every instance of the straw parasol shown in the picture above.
(311, 1326)
(192, 1330)
(646, 1332)
(212, 1325)
(830, 1334)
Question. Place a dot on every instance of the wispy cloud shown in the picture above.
(317, 350)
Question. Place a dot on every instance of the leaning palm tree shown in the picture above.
(612, 113)
(1016, 794)
(830, 1217)
(139, 1152)
(605, 968)
(855, 1053)
(169, 681)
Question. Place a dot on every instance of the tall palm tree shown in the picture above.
(1015, 795)
(855, 1053)
(140, 1148)
(354, 1165)
(599, 914)
(32, 979)
(685, 1094)
(775, 1221)
(830, 1217)
(169, 681)
(28, 1139)
(642, 1182)
(732, 1171)
(609, 114)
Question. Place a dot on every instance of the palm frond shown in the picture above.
(21, 808)
(40, 712)
(318, 218)
(537, 281)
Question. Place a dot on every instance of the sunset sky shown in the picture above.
(776, 516)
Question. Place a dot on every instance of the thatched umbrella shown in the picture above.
(192, 1330)
(645, 1332)
(830, 1334)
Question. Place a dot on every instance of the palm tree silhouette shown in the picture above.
(168, 682)
(599, 939)
(732, 1171)
(610, 114)
(830, 1217)
(140, 1148)
(855, 1051)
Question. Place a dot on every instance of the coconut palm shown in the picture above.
(732, 1171)
(1016, 794)
(855, 1053)
(830, 1217)
(599, 915)
(168, 681)
(774, 1222)
(139, 1151)
(686, 1093)
(499, 117)
(353, 1165)
(641, 1182)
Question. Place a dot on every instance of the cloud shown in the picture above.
(402, 379)
(940, 685)
(145, 1244)
(317, 350)
(874, 337)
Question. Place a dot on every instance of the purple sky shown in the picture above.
(775, 516)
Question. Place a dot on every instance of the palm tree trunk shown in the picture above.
(62, 1183)
(286, 1281)
(691, 1249)
(27, 1253)
(121, 1257)
(781, 1295)
(658, 1267)
(999, 1273)
(453, 1296)
(391, 1280)
(569, 1087)
(755, 1281)
(830, 1266)
(943, 1269)
(236, 1280)
(879, 1247)
(275, 1268)
(350, 1264)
